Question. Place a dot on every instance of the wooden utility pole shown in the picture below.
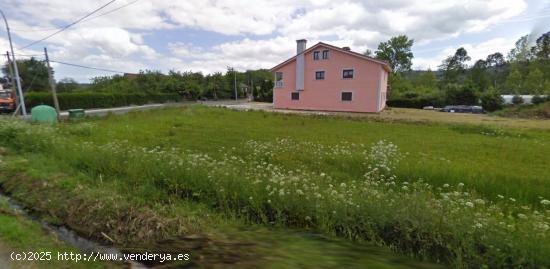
(52, 82)
(12, 80)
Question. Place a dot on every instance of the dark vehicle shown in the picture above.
(463, 109)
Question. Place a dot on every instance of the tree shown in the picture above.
(33, 74)
(491, 100)
(427, 79)
(215, 84)
(514, 81)
(478, 75)
(454, 67)
(541, 50)
(496, 64)
(521, 52)
(368, 52)
(67, 85)
(534, 83)
(456, 94)
(517, 100)
(397, 51)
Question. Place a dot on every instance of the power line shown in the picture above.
(68, 25)
(88, 67)
(88, 19)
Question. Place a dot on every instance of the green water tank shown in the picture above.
(45, 114)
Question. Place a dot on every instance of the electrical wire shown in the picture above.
(68, 25)
(88, 19)
(88, 67)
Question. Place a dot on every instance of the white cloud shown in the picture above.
(266, 30)
(475, 51)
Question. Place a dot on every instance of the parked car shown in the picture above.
(463, 109)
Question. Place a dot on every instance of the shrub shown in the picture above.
(537, 99)
(517, 100)
(87, 100)
(416, 102)
(491, 101)
(460, 94)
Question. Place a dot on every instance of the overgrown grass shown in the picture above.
(22, 235)
(539, 111)
(323, 175)
(493, 160)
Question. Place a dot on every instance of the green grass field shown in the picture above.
(466, 195)
(492, 160)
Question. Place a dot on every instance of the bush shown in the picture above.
(460, 94)
(537, 99)
(517, 100)
(87, 100)
(491, 101)
(416, 102)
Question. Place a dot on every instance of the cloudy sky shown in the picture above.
(209, 35)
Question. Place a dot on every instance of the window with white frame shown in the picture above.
(319, 75)
(347, 73)
(325, 54)
(295, 96)
(347, 96)
(278, 79)
(316, 55)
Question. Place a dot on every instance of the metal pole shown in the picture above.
(235, 77)
(17, 80)
(52, 82)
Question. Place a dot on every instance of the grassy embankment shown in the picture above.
(540, 111)
(313, 173)
(18, 234)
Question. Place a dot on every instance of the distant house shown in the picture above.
(131, 76)
(330, 78)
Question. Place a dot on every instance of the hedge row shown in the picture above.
(88, 100)
(417, 102)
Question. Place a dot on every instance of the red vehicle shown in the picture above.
(7, 101)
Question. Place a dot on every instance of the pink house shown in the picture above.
(329, 78)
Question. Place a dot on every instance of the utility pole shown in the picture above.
(17, 79)
(11, 80)
(52, 82)
(231, 69)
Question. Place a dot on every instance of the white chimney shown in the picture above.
(300, 63)
(300, 45)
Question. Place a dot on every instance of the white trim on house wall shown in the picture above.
(378, 95)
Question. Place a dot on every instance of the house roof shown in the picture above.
(349, 52)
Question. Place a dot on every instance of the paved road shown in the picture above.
(122, 110)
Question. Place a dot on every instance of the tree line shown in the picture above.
(189, 85)
(524, 70)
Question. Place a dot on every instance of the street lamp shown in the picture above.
(17, 80)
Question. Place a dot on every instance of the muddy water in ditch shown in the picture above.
(70, 237)
(272, 249)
